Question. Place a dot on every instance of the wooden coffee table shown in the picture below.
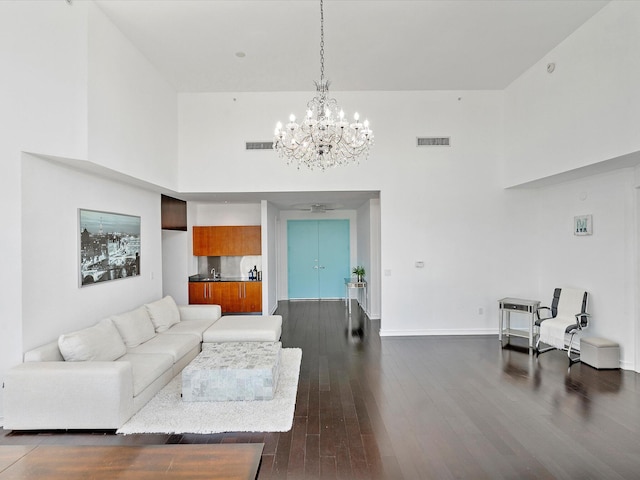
(52, 462)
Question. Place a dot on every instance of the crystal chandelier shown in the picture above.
(324, 139)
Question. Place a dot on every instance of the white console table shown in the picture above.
(518, 305)
(350, 283)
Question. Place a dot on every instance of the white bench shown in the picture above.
(600, 353)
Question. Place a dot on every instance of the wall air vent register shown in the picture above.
(433, 142)
(259, 145)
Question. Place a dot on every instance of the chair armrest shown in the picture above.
(544, 318)
(582, 319)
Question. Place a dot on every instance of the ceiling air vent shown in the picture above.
(259, 145)
(434, 141)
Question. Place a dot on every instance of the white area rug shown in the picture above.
(167, 413)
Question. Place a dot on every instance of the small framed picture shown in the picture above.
(583, 225)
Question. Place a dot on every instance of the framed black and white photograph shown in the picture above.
(582, 225)
(109, 246)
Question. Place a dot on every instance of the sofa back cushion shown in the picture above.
(102, 342)
(135, 327)
(163, 313)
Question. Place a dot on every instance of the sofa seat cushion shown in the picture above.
(195, 327)
(135, 327)
(244, 328)
(175, 345)
(146, 368)
(163, 313)
(101, 342)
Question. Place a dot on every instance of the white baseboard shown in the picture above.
(436, 332)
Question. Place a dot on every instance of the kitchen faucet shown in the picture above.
(213, 272)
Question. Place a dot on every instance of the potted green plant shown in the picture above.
(359, 272)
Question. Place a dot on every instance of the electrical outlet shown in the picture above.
(480, 311)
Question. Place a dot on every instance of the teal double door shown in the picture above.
(317, 258)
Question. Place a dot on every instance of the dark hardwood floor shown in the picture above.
(429, 408)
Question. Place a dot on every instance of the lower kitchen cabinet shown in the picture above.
(233, 297)
(202, 293)
(252, 297)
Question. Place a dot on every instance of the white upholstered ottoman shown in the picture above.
(600, 352)
(232, 371)
(244, 328)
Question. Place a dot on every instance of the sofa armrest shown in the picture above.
(68, 395)
(199, 312)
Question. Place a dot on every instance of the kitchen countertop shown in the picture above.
(206, 278)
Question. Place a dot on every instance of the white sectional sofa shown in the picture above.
(98, 377)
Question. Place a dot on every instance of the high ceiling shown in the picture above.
(369, 44)
(375, 45)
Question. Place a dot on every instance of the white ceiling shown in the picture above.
(369, 45)
(379, 45)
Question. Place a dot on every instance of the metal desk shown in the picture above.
(518, 305)
(350, 283)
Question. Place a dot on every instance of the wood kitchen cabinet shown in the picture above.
(240, 297)
(221, 241)
(233, 297)
(203, 293)
(252, 297)
(204, 240)
(173, 213)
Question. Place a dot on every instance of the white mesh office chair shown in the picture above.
(566, 317)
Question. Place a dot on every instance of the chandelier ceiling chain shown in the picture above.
(324, 139)
(321, 42)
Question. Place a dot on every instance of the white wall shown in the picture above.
(176, 261)
(587, 110)
(43, 85)
(50, 94)
(368, 253)
(227, 214)
(580, 124)
(605, 263)
(270, 239)
(132, 109)
(363, 251)
(444, 206)
(53, 301)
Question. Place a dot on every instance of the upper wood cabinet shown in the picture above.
(173, 213)
(221, 241)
